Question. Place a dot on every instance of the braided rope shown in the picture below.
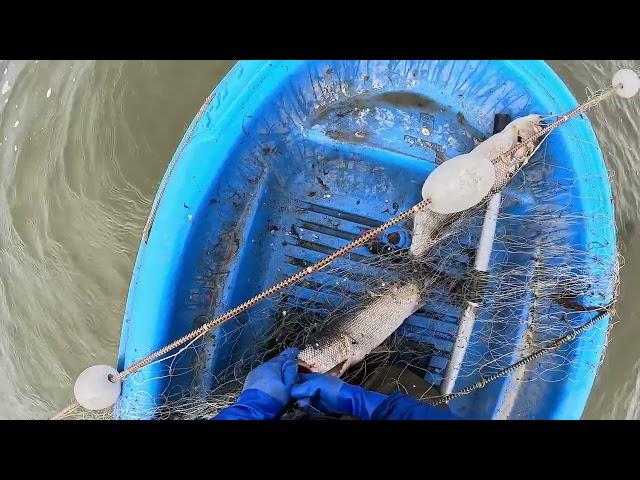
(63, 413)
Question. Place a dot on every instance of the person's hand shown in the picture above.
(331, 395)
(275, 377)
(267, 389)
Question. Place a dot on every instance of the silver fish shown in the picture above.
(347, 340)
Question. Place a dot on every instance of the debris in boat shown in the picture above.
(426, 144)
(322, 184)
(294, 232)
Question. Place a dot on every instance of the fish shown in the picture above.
(348, 339)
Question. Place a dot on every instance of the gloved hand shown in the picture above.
(266, 391)
(331, 395)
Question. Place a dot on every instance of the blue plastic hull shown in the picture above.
(252, 160)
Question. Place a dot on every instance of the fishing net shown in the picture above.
(551, 271)
(537, 267)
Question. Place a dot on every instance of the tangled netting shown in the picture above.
(538, 267)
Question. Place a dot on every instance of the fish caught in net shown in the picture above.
(485, 296)
(414, 284)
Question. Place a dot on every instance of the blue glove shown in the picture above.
(267, 390)
(331, 395)
(403, 407)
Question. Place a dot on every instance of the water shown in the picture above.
(83, 146)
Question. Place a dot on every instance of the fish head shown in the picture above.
(325, 354)
(527, 125)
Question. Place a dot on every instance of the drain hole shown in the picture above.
(393, 238)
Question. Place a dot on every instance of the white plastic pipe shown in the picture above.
(465, 327)
(485, 246)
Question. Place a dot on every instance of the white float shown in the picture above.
(93, 389)
(459, 183)
(627, 83)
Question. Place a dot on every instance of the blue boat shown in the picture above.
(283, 146)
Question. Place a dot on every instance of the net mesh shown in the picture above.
(558, 283)
(546, 279)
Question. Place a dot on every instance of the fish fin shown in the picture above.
(345, 366)
(335, 371)
(304, 367)
(342, 367)
(380, 349)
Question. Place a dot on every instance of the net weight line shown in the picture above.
(524, 361)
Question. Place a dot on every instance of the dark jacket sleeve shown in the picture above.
(403, 407)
